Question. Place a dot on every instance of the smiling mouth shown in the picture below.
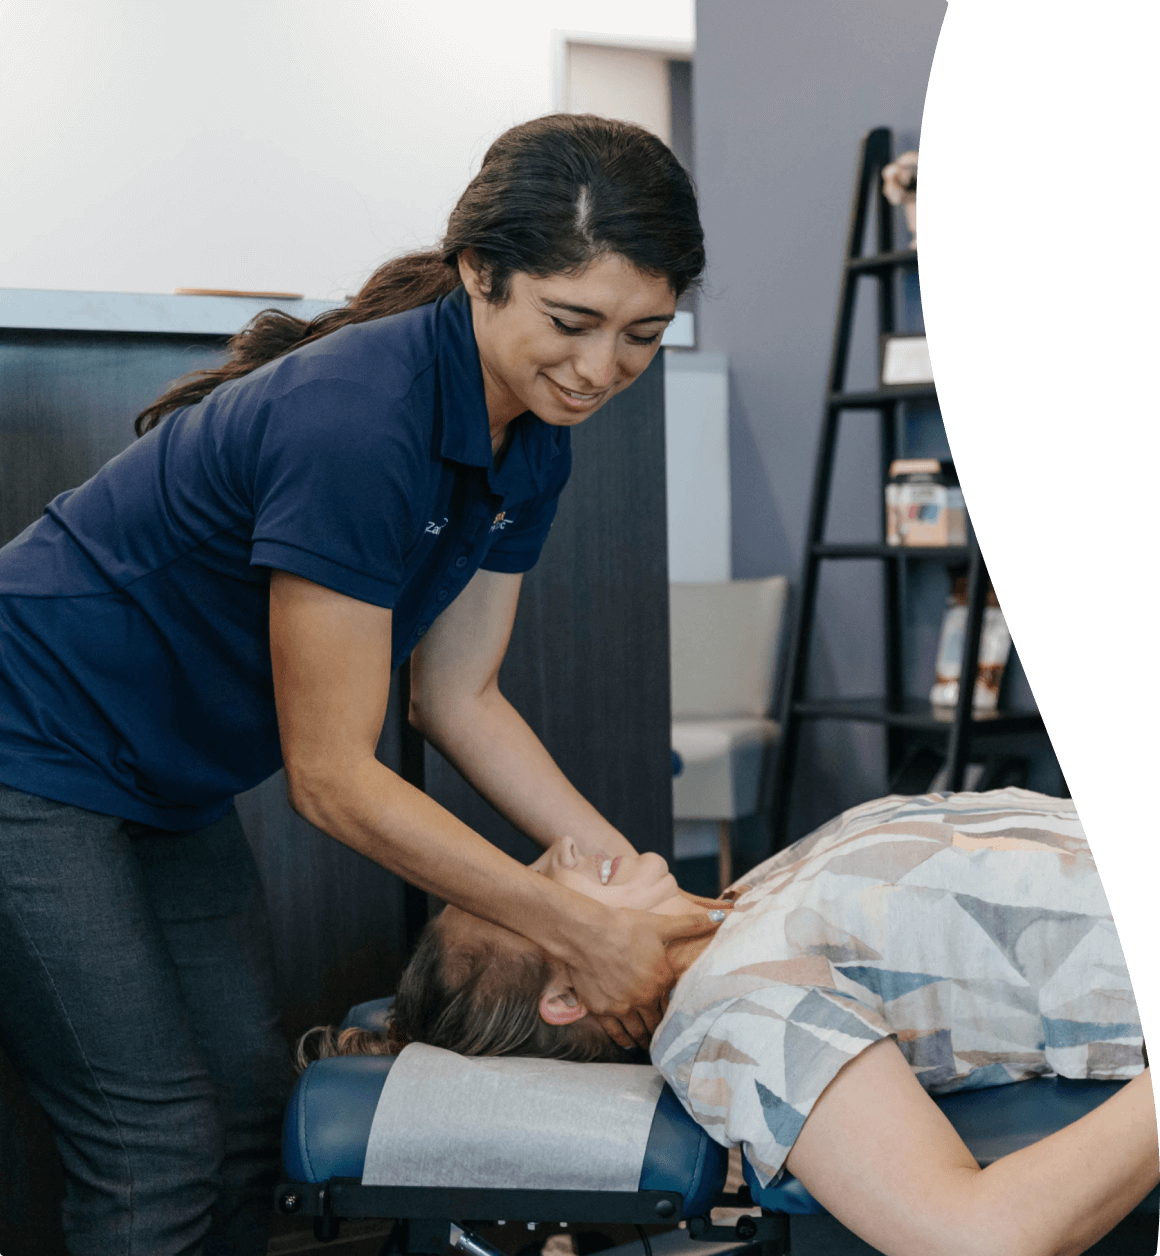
(579, 397)
(607, 868)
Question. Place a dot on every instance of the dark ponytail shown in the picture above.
(551, 195)
(402, 284)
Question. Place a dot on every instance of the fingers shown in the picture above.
(626, 1025)
(633, 1028)
(692, 925)
(650, 1018)
(707, 903)
(636, 1029)
(616, 1031)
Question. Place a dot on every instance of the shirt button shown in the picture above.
(461, 561)
(442, 595)
(421, 630)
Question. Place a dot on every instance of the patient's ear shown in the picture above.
(559, 1004)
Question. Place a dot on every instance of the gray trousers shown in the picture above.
(138, 1002)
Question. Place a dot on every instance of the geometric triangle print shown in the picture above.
(808, 932)
(816, 1009)
(810, 1063)
(783, 1119)
(1004, 924)
(886, 983)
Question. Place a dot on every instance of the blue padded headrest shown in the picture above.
(329, 1116)
(371, 1015)
(788, 1195)
(328, 1119)
(680, 1156)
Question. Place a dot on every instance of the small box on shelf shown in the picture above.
(924, 504)
(904, 359)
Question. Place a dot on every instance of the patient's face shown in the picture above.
(639, 881)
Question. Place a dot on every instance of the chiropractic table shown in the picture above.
(353, 1147)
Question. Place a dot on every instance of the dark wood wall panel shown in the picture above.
(588, 664)
(336, 917)
(67, 405)
(588, 668)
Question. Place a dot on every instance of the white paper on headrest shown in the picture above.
(446, 1120)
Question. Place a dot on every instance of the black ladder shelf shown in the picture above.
(900, 715)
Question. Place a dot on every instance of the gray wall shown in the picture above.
(783, 92)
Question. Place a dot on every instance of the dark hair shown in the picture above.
(477, 997)
(552, 195)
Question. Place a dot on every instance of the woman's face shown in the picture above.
(643, 881)
(562, 345)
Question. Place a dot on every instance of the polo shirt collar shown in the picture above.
(466, 436)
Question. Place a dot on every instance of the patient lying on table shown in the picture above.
(911, 945)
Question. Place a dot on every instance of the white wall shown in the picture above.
(621, 83)
(278, 145)
(261, 144)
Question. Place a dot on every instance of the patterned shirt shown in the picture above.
(970, 927)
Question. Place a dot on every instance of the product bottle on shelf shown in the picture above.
(994, 649)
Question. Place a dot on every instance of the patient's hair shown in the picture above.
(552, 195)
(475, 995)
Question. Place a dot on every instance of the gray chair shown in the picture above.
(724, 640)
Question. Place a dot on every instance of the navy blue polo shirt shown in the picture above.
(135, 674)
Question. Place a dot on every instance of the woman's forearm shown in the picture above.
(331, 665)
(374, 811)
(1062, 1194)
(876, 1151)
(617, 958)
(490, 744)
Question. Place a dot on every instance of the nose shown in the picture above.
(568, 853)
(595, 363)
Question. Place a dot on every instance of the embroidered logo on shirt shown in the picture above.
(500, 522)
(435, 528)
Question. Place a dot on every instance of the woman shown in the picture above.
(231, 593)
(911, 945)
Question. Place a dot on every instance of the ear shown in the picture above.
(472, 275)
(559, 1005)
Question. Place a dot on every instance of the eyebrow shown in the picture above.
(583, 309)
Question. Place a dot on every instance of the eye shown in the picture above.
(570, 329)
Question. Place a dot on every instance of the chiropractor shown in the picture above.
(230, 594)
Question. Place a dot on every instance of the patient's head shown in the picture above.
(478, 989)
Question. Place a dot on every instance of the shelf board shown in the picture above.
(882, 261)
(916, 715)
(939, 553)
(879, 398)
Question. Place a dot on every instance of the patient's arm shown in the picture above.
(877, 1152)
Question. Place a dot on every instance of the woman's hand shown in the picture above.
(709, 904)
(622, 972)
